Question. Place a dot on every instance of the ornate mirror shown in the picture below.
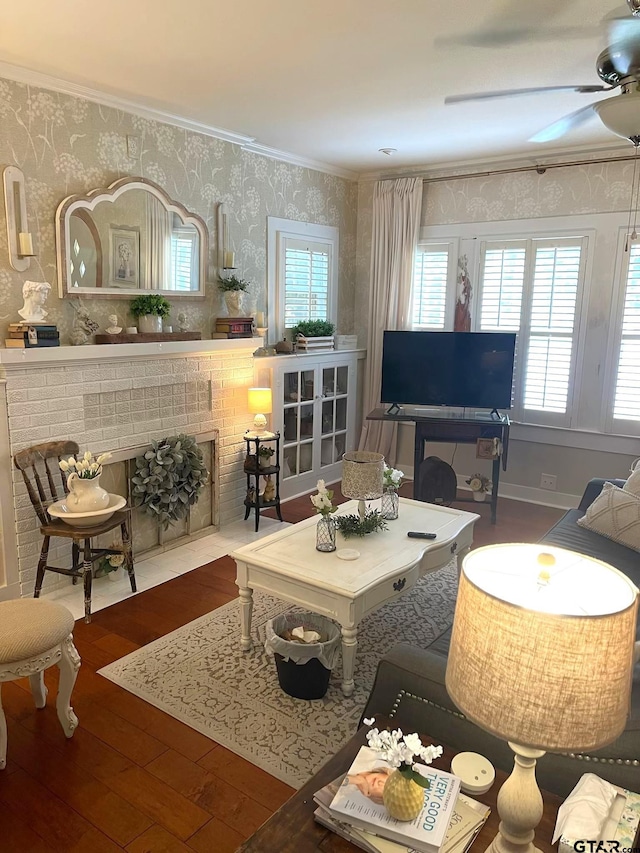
(129, 237)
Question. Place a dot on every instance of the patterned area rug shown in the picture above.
(199, 675)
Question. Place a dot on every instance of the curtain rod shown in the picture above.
(540, 169)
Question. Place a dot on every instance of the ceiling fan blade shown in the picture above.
(517, 34)
(564, 125)
(508, 93)
(514, 23)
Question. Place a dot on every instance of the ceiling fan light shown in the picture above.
(621, 115)
(634, 7)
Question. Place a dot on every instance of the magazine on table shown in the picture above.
(375, 844)
(465, 817)
(358, 801)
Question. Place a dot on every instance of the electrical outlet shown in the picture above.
(548, 481)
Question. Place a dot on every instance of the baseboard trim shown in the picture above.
(515, 492)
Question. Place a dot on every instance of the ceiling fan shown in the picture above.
(618, 66)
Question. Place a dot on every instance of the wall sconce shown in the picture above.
(18, 235)
(226, 258)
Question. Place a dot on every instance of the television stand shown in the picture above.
(394, 409)
(454, 430)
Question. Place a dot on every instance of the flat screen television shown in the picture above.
(463, 369)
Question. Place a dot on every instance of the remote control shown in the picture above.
(415, 534)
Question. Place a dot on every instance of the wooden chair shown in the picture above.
(41, 473)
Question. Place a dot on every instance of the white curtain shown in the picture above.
(397, 206)
(158, 258)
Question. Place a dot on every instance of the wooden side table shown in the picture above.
(292, 828)
(254, 471)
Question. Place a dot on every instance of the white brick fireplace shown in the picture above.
(119, 398)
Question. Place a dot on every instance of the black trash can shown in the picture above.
(308, 680)
(304, 669)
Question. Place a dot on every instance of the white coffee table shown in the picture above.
(287, 565)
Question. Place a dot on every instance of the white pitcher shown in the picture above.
(86, 495)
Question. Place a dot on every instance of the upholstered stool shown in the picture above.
(35, 634)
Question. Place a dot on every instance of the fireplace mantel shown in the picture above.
(114, 398)
(119, 352)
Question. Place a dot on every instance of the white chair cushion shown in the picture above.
(30, 626)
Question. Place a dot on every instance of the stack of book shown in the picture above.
(27, 335)
(233, 327)
(448, 823)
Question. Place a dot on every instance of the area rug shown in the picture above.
(199, 675)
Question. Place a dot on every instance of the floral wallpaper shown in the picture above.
(66, 145)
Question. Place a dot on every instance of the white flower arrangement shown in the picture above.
(401, 751)
(479, 483)
(87, 468)
(323, 500)
(392, 477)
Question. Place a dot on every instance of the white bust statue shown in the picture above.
(35, 295)
(113, 328)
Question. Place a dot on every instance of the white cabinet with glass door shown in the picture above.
(314, 409)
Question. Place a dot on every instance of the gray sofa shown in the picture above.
(410, 684)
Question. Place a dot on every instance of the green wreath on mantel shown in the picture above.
(169, 478)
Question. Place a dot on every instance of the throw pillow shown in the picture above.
(615, 513)
(633, 483)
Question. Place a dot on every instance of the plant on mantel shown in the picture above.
(232, 282)
(150, 304)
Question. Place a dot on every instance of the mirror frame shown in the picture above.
(88, 202)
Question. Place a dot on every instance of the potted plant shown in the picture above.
(314, 334)
(264, 456)
(232, 289)
(480, 485)
(149, 309)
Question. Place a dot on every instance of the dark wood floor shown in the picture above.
(132, 778)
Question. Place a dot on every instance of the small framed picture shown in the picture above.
(488, 448)
(124, 256)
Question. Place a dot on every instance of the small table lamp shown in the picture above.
(541, 655)
(260, 404)
(362, 477)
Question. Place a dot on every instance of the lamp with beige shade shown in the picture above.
(541, 655)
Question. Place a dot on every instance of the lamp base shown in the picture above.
(519, 804)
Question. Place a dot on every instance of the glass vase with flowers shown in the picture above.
(392, 479)
(326, 528)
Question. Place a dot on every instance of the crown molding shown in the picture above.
(525, 159)
(19, 74)
(304, 162)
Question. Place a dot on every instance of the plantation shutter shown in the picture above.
(627, 388)
(431, 271)
(531, 287)
(306, 281)
(502, 287)
(182, 259)
(551, 327)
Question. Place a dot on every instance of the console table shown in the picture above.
(463, 429)
(292, 828)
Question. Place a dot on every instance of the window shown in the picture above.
(306, 281)
(183, 259)
(302, 270)
(626, 404)
(431, 283)
(532, 287)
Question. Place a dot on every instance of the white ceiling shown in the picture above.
(329, 81)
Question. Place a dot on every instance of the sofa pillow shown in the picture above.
(633, 483)
(615, 513)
